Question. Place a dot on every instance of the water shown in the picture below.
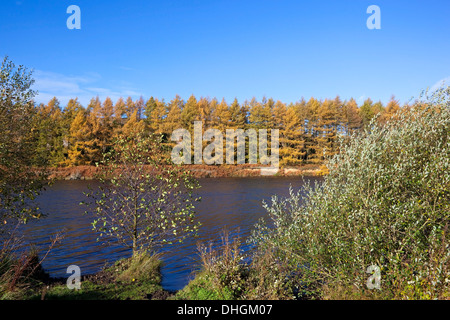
(234, 203)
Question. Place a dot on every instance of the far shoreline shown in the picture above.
(88, 172)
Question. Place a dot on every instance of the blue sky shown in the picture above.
(226, 48)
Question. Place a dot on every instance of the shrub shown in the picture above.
(385, 202)
(269, 278)
(21, 269)
(20, 183)
(143, 267)
(19, 274)
(222, 275)
(143, 200)
(227, 275)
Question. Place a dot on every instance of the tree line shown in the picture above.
(309, 129)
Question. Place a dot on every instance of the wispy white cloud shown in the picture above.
(430, 91)
(361, 99)
(437, 85)
(84, 87)
(126, 68)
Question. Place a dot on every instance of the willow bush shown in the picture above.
(384, 203)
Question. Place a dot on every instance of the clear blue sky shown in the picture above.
(226, 48)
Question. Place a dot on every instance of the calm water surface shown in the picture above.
(234, 203)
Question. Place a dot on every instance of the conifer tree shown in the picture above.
(150, 106)
(49, 148)
(190, 113)
(367, 111)
(256, 116)
(173, 119)
(70, 111)
(312, 131)
(107, 124)
(221, 116)
(352, 118)
(378, 109)
(158, 117)
(391, 110)
(279, 114)
(107, 112)
(238, 115)
(338, 110)
(134, 126)
(205, 112)
(328, 124)
(119, 112)
(291, 139)
(267, 114)
(140, 107)
(96, 140)
(78, 135)
(130, 107)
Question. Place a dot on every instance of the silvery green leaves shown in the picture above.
(386, 202)
(144, 200)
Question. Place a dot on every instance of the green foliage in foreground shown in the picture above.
(203, 287)
(20, 274)
(144, 200)
(20, 183)
(225, 275)
(135, 278)
(386, 202)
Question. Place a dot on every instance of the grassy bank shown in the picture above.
(137, 278)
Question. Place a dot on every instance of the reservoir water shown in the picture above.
(231, 203)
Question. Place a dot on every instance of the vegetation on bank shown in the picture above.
(381, 215)
(227, 273)
(140, 202)
(143, 200)
(134, 278)
(19, 183)
(385, 205)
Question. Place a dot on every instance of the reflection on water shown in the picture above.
(226, 202)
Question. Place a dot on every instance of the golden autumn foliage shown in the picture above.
(309, 130)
